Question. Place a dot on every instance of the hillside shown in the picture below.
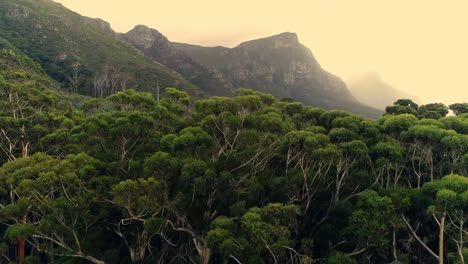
(279, 65)
(372, 90)
(83, 54)
(31, 80)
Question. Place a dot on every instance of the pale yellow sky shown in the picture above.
(420, 46)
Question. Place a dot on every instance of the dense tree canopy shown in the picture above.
(248, 179)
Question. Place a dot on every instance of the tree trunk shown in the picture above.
(395, 256)
(137, 254)
(441, 239)
(203, 250)
(460, 247)
(205, 255)
(21, 243)
(22, 219)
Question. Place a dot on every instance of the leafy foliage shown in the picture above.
(249, 179)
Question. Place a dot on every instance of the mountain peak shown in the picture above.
(146, 37)
(144, 28)
(282, 40)
(287, 36)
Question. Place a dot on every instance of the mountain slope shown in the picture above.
(279, 65)
(83, 54)
(32, 81)
(372, 90)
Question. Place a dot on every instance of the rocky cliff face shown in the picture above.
(280, 65)
(157, 47)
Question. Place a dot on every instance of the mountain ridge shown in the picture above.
(85, 54)
(279, 65)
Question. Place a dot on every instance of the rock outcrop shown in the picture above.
(157, 47)
(101, 24)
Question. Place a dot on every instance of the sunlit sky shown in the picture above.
(420, 46)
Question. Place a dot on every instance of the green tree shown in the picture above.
(402, 106)
(371, 223)
(459, 108)
(54, 201)
(434, 111)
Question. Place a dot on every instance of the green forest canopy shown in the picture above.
(248, 179)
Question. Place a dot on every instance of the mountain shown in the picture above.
(83, 54)
(157, 47)
(371, 89)
(86, 56)
(279, 65)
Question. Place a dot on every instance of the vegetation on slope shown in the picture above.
(78, 53)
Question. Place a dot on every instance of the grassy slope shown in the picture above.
(57, 38)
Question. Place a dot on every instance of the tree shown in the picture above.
(459, 108)
(371, 223)
(434, 111)
(26, 107)
(387, 163)
(54, 203)
(268, 229)
(74, 76)
(312, 155)
(115, 137)
(450, 201)
(425, 140)
(402, 106)
(352, 153)
(141, 203)
(131, 100)
(393, 126)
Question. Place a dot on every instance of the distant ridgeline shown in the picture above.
(86, 56)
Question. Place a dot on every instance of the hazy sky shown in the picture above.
(420, 46)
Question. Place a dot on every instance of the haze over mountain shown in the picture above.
(85, 55)
(415, 51)
(371, 89)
